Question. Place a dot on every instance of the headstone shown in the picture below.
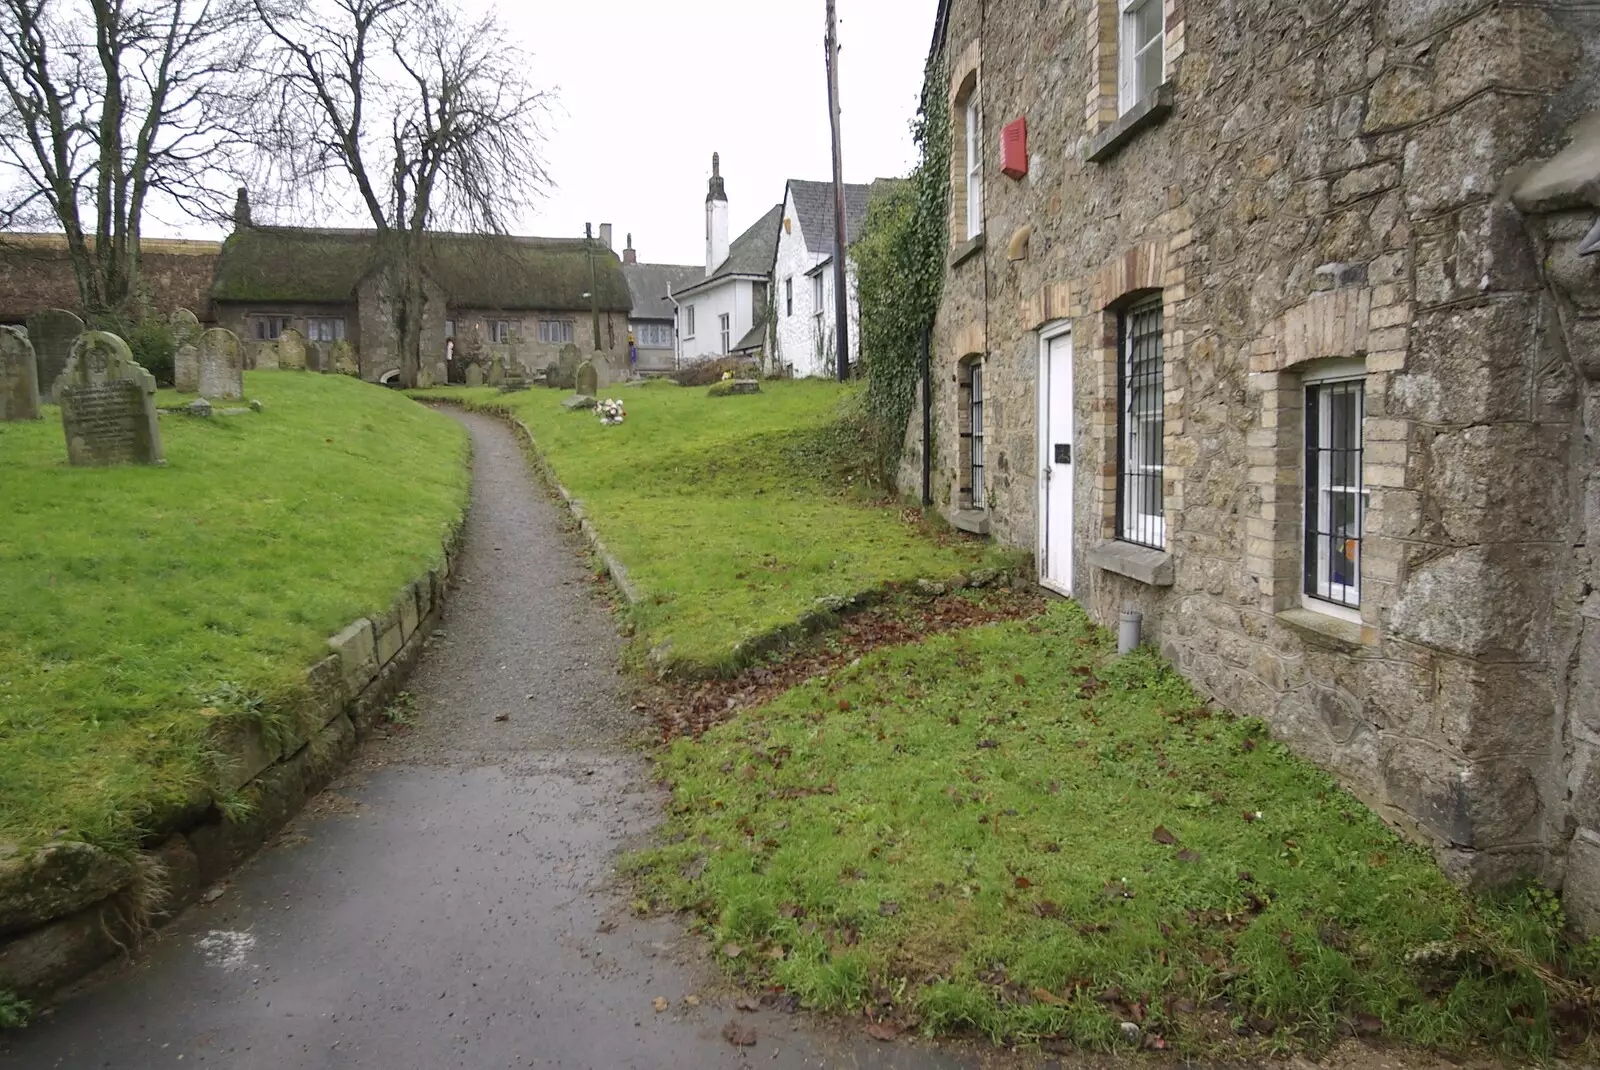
(579, 401)
(186, 369)
(552, 375)
(588, 381)
(19, 376)
(185, 327)
(291, 350)
(198, 407)
(316, 357)
(570, 357)
(52, 333)
(221, 365)
(474, 375)
(262, 356)
(497, 371)
(342, 358)
(108, 404)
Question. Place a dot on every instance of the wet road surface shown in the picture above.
(451, 902)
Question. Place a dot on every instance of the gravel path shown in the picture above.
(450, 902)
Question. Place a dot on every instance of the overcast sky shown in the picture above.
(648, 90)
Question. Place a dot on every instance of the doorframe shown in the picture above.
(1050, 332)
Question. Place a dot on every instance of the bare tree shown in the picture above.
(427, 114)
(106, 103)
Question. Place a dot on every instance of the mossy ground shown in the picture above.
(141, 603)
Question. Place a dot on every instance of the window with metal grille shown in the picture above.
(1141, 47)
(972, 433)
(1141, 467)
(1336, 499)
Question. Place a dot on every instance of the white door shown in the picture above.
(1055, 457)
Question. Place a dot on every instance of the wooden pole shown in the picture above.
(840, 302)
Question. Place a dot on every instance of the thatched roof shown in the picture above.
(316, 266)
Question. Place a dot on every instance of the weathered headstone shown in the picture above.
(569, 359)
(316, 357)
(52, 333)
(497, 371)
(221, 365)
(19, 376)
(474, 375)
(186, 369)
(588, 380)
(185, 327)
(108, 404)
(342, 358)
(260, 356)
(552, 375)
(291, 351)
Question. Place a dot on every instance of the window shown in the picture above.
(499, 332)
(722, 325)
(688, 321)
(1140, 51)
(325, 330)
(1336, 500)
(655, 335)
(1140, 452)
(788, 296)
(758, 300)
(268, 328)
(975, 404)
(449, 328)
(975, 165)
(817, 301)
(557, 332)
(970, 424)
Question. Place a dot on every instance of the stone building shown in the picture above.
(1270, 319)
(652, 322)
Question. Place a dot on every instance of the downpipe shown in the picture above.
(1130, 623)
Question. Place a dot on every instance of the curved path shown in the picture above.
(450, 901)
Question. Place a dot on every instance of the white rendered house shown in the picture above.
(803, 276)
(725, 312)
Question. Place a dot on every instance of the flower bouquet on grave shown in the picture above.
(610, 411)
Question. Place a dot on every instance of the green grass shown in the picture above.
(732, 515)
(142, 602)
(964, 833)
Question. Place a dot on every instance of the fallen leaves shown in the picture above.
(1161, 835)
(732, 950)
(882, 1030)
(740, 1036)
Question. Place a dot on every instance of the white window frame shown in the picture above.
(1324, 374)
(974, 162)
(556, 332)
(499, 332)
(688, 322)
(725, 327)
(818, 299)
(1129, 92)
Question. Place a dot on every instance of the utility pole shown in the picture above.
(594, 289)
(840, 304)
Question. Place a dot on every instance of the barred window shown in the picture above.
(972, 474)
(1141, 467)
(1336, 498)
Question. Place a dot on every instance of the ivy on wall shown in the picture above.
(900, 260)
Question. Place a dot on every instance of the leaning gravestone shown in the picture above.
(291, 351)
(221, 365)
(474, 375)
(342, 358)
(186, 369)
(19, 376)
(588, 379)
(52, 333)
(497, 371)
(108, 404)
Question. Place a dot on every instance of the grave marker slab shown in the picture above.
(52, 333)
(497, 371)
(291, 351)
(342, 358)
(108, 404)
(588, 379)
(185, 326)
(186, 369)
(221, 365)
(474, 375)
(19, 376)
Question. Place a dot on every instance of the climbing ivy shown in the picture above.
(899, 272)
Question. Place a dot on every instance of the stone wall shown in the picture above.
(525, 349)
(36, 274)
(69, 907)
(240, 319)
(1312, 182)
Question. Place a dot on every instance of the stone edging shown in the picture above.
(67, 908)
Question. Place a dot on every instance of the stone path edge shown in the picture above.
(69, 908)
(825, 615)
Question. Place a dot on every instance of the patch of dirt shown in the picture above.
(691, 707)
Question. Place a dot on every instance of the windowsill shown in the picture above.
(971, 521)
(1153, 567)
(966, 250)
(1147, 113)
(1326, 630)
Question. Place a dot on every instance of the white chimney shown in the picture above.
(605, 235)
(716, 218)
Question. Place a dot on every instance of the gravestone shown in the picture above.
(186, 369)
(291, 351)
(588, 380)
(19, 376)
(108, 404)
(52, 333)
(497, 371)
(185, 327)
(569, 358)
(474, 375)
(342, 358)
(316, 357)
(552, 375)
(262, 356)
(221, 365)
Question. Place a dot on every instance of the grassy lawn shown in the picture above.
(729, 513)
(1010, 830)
(140, 603)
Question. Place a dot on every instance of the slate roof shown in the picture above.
(754, 338)
(813, 204)
(324, 266)
(648, 284)
(752, 252)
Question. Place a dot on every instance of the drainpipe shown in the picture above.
(1129, 622)
(677, 334)
(927, 420)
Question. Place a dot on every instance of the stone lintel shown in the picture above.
(1141, 563)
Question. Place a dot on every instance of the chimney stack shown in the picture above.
(605, 235)
(241, 210)
(716, 218)
(628, 254)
